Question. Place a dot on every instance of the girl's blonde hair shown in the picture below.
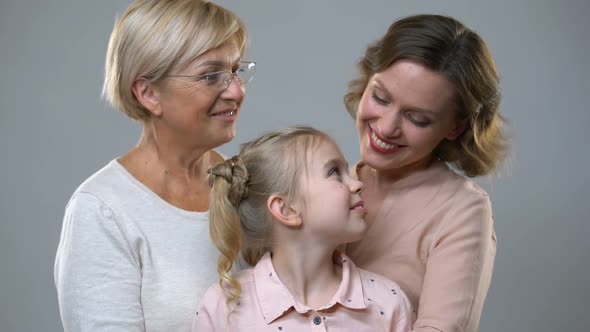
(240, 187)
(153, 37)
(448, 47)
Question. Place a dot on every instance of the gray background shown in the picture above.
(55, 131)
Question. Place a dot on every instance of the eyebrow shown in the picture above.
(336, 161)
(380, 86)
(217, 63)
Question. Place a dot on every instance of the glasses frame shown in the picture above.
(233, 74)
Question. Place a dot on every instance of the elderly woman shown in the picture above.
(134, 253)
(427, 98)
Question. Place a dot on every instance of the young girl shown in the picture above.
(286, 202)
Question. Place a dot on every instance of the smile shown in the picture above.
(380, 146)
(230, 113)
(380, 143)
(359, 203)
(359, 206)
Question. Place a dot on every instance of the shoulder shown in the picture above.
(212, 296)
(458, 185)
(373, 283)
(378, 284)
(86, 206)
(245, 277)
(116, 189)
(215, 296)
(465, 213)
(459, 195)
(213, 304)
(387, 293)
(97, 199)
(105, 183)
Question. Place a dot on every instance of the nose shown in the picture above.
(356, 186)
(234, 90)
(389, 125)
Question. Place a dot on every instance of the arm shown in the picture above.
(98, 278)
(458, 268)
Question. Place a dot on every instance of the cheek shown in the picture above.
(422, 138)
(365, 109)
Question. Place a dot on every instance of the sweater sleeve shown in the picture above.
(458, 268)
(97, 276)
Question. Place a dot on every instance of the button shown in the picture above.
(317, 320)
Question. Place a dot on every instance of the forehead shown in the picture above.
(322, 152)
(413, 85)
(226, 55)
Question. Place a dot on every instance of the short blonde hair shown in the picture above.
(448, 47)
(152, 37)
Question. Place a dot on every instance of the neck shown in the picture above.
(308, 272)
(172, 154)
(384, 179)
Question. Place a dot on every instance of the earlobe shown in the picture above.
(457, 131)
(147, 96)
(286, 215)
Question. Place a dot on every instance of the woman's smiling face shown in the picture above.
(404, 113)
(198, 112)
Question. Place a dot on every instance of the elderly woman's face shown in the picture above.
(195, 109)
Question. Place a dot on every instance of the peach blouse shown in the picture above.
(434, 236)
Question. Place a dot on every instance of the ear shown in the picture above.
(460, 127)
(146, 95)
(286, 215)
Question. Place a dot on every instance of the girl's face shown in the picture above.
(404, 113)
(332, 211)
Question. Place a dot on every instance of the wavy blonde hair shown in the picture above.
(240, 187)
(448, 47)
(153, 37)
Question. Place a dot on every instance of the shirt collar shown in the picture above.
(275, 299)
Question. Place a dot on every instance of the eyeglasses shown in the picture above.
(220, 80)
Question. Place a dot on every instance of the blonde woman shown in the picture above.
(134, 253)
(427, 100)
(269, 203)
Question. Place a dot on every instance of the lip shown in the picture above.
(359, 207)
(379, 148)
(229, 114)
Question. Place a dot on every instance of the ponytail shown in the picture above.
(228, 188)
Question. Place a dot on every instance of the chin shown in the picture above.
(359, 231)
(219, 140)
(226, 139)
(375, 161)
(228, 133)
(356, 237)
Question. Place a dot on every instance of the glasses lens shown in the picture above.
(242, 75)
(246, 72)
